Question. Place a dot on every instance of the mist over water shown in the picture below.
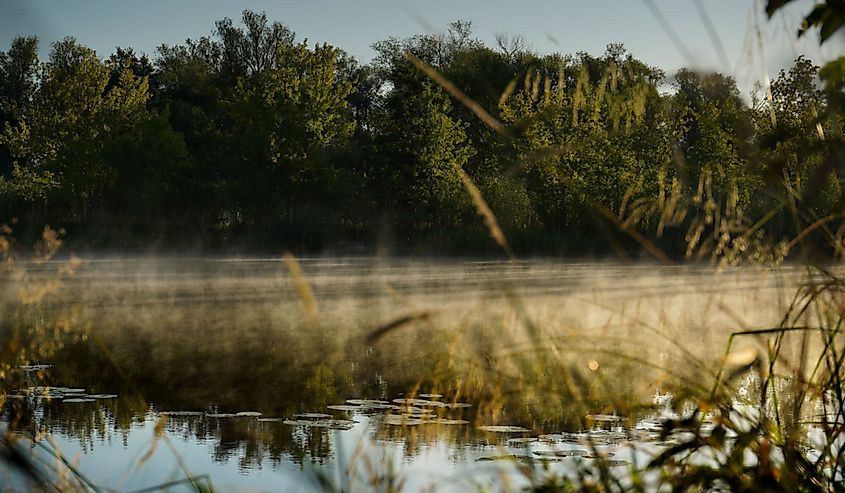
(539, 344)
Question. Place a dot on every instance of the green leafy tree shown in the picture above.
(712, 126)
(19, 70)
(289, 117)
(798, 136)
(58, 150)
(417, 167)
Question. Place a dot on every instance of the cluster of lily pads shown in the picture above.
(319, 420)
(606, 431)
(66, 395)
(402, 411)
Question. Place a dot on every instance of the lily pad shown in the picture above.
(572, 453)
(313, 416)
(399, 420)
(344, 407)
(379, 407)
(552, 437)
(220, 415)
(415, 411)
(270, 420)
(366, 402)
(604, 418)
(431, 396)
(614, 462)
(522, 440)
(248, 414)
(78, 400)
(545, 458)
(600, 455)
(334, 424)
(457, 405)
(181, 413)
(448, 422)
(101, 396)
(574, 438)
(490, 458)
(504, 429)
(419, 402)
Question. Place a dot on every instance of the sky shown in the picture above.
(565, 26)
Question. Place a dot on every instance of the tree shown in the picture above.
(250, 51)
(416, 168)
(713, 129)
(797, 134)
(287, 117)
(58, 151)
(19, 70)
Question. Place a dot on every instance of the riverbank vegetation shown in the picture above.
(253, 139)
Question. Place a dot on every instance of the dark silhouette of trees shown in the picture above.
(252, 138)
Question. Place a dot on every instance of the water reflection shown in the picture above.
(511, 359)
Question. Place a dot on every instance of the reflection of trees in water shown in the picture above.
(89, 423)
(418, 437)
(245, 439)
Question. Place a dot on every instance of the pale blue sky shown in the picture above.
(566, 26)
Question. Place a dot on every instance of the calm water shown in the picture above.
(540, 345)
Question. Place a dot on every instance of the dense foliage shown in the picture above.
(251, 139)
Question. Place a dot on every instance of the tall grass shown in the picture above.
(768, 419)
(790, 438)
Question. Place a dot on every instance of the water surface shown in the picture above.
(187, 344)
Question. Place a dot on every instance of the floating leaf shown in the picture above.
(545, 458)
(613, 462)
(572, 453)
(397, 420)
(181, 413)
(504, 429)
(334, 424)
(415, 411)
(78, 400)
(419, 402)
(522, 440)
(248, 414)
(366, 402)
(379, 407)
(448, 422)
(313, 415)
(553, 437)
(490, 458)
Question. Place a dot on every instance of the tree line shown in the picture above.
(252, 139)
